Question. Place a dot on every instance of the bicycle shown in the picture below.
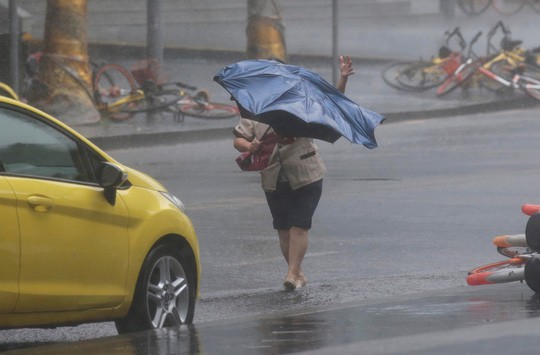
(503, 60)
(421, 75)
(473, 7)
(523, 253)
(120, 95)
(463, 71)
(510, 7)
(504, 7)
(507, 69)
(500, 71)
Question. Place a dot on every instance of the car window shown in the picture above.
(31, 147)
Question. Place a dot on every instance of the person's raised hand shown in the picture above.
(345, 66)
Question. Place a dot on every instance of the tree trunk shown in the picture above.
(64, 81)
(265, 30)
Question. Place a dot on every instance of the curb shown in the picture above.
(202, 135)
(160, 138)
(139, 50)
(506, 104)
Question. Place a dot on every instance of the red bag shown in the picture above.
(259, 160)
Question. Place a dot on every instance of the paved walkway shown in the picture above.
(384, 38)
(366, 88)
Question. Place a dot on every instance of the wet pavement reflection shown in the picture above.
(353, 326)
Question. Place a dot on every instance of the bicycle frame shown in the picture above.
(518, 81)
(134, 96)
(461, 74)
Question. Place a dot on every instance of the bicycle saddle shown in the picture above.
(444, 52)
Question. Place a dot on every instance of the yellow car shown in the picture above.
(84, 238)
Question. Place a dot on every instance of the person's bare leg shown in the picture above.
(298, 244)
(284, 237)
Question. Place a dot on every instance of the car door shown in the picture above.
(74, 244)
(9, 247)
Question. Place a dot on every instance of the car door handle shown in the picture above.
(40, 203)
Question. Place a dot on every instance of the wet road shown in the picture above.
(473, 321)
(403, 220)
(394, 225)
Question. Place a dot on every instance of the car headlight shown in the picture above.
(175, 201)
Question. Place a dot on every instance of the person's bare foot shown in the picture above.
(289, 283)
(301, 280)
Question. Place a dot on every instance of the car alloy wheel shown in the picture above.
(168, 293)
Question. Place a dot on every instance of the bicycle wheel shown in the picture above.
(508, 7)
(112, 83)
(461, 75)
(394, 71)
(155, 101)
(535, 4)
(422, 76)
(531, 86)
(533, 90)
(199, 106)
(499, 272)
(473, 7)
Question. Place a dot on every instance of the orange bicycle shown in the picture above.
(417, 76)
(508, 68)
(523, 253)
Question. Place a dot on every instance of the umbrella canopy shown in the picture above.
(297, 102)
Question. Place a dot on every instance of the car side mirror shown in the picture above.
(110, 177)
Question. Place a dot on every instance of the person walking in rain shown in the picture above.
(292, 183)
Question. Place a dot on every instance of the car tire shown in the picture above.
(164, 294)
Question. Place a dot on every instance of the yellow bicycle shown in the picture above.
(6, 90)
(421, 75)
(119, 96)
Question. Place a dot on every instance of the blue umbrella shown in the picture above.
(297, 102)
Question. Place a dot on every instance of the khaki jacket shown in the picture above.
(300, 160)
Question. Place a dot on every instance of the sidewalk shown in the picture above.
(365, 88)
(372, 43)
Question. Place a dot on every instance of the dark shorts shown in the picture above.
(294, 208)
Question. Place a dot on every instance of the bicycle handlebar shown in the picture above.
(456, 32)
(506, 33)
(472, 42)
(498, 25)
